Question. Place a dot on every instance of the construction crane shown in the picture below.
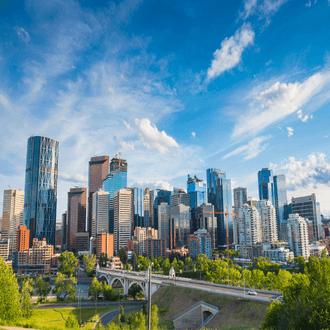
(227, 230)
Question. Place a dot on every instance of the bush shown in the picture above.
(71, 323)
(163, 311)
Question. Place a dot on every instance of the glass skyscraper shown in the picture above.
(266, 185)
(119, 165)
(196, 188)
(163, 196)
(138, 206)
(280, 202)
(41, 188)
(219, 194)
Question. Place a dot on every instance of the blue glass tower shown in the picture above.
(266, 185)
(196, 188)
(280, 202)
(41, 188)
(219, 194)
(138, 206)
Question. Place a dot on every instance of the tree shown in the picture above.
(89, 262)
(42, 288)
(134, 290)
(323, 253)
(154, 317)
(26, 291)
(103, 259)
(301, 263)
(71, 323)
(122, 314)
(68, 262)
(166, 267)
(64, 285)
(95, 288)
(10, 302)
(122, 255)
(127, 267)
(139, 321)
(109, 293)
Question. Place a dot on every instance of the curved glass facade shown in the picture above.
(41, 188)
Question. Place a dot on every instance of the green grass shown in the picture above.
(234, 313)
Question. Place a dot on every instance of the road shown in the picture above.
(90, 304)
(108, 317)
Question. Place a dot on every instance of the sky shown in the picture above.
(175, 86)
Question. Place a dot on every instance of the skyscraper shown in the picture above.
(120, 165)
(219, 194)
(23, 237)
(98, 170)
(100, 212)
(196, 188)
(179, 225)
(267, 215)
(138, 207)
(240, 198)
(12, 216)
(76, 216)
(179, 196)
(147, 208)
(41, 188)
(280, 203)
(64, 227)
(308, 208)
(164, 222)
(161, 197)
(266, 185)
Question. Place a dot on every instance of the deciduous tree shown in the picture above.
(68, 262)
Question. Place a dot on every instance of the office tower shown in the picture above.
(161, 197)
(205, 219)
(249, 223)
(280, 203)
(76, 215)
(12, 216)
(98, 171)
(141, 236)
(148, 208)
(23, 238)
(298, 235)
(200, 243)
(100, 213)
(138, 207)
(266, 185)
(104, 244)
(64, 230)
(155, 247)
(267, 215)
(179, 225)
(123, 216)
(251, 201)
(196, 188)
(179, 196)
(41, 188)
(240, 198)
(219, 194)
(164, 222)
(120, 166)
(307, 208)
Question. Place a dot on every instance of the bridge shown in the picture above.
(128, 278)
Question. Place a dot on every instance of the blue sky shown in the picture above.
(177, 87)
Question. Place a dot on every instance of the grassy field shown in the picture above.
(50, 319)
(234, 313)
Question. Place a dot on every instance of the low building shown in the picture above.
(4, 248)
(155, 247)
(104, 244)
(114, 263)
(315, 250)
(179, 249)
(277, 251)
(200, 243)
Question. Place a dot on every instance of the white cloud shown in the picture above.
(76, 178)
(230, 53)
(261, 8)
(290, 131)
(22, 34)
(152, 185)
(278, 101)
(193, 134)
(252, 149)
(127, 145)
(302, 117)
(152, 138)
(308, 4)
(110, 89)
(128, 125)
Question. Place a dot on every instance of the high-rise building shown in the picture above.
(266, 185)
(308, 208)
(179, 196)
(141, 236)
(98, 171)
(76, 215)
(196, 188)
(251, 201)
(205, 219)
(4, 248)
(240, 198)
(123, 216)
(64, 230)
(161, 197)
(280, 197)
(220, 195)
(119, 165)
(41, 188)
(179, 225)
(23, 238)
(100, 213)
(164, 222)
(267, 215)
(298, 235)
(138, 207)
(148, 208)
(12, 216)
(200, 243)
(104, 244)
(155, 247)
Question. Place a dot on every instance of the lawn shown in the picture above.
(55, 318)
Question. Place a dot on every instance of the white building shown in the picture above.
(277, 251)
(100, 212)
(267, 215)
(12, 216)
(298, 235)
(164, 222)
(123, 218)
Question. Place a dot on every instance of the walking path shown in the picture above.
(108, 317)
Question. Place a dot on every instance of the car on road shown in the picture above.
(252, 293)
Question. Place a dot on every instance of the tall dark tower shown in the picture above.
(41, 188)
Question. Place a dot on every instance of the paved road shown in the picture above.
(91, 304)
(108, 317)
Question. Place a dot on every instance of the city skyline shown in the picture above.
(167, 91)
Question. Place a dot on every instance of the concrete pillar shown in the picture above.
(126, 284)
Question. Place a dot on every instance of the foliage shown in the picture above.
(306, 300)
(134, 290)
(109, 293)
(122, 314)
(127, 267)
(144, 309)
(26, 291)
(122, 255)
(68, 263)
(163, 311)
(42, 288)
(71, 323)
(95, 288)
(103, 259)
(10, 304)
(89, 262)
(65, 286)
(301, 263)
(154, 317)
(139, 321)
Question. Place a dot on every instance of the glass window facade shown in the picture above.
(41, 188)
(266, 185)
(280, 202)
